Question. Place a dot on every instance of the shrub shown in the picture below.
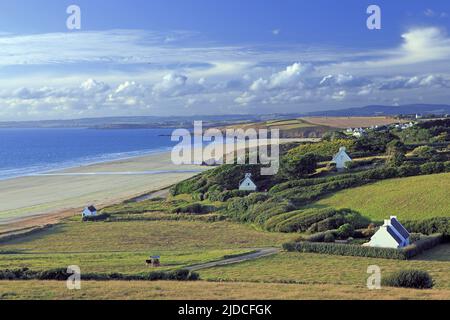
(432, 167)
(304, 219)
(329, 237)
(195, 208)
(315, 245)
(416, 279)
(424, 151)
(345, 231)
(62, 275)
(348, 250)
(429, 226)
(422, 245)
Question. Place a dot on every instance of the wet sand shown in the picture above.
(99, 184)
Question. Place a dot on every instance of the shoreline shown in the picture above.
(69, 190)
(64, 167)
(101, 184)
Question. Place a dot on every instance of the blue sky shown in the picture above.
(174, 57)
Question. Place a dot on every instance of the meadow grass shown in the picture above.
(201, 290)
(120, 262)
(144, 236)
(123, 247)
(412, 198)
(310, 268)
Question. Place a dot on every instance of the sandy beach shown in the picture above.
(46, 198)
(100, 184)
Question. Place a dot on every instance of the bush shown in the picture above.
(62, 275)
(409, 279)
(194, 208)
(345, 231)
(329, 237)
(315, 244)
(429, 226)
(347, 250)
(422, 245)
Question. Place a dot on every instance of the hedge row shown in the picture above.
(63, 275)
(195, 208)
(360, 251)
(303, 220)
(429, 226)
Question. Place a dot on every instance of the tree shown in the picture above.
(298, 166)
(395, 150)
(374, 142)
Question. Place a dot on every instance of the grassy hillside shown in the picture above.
(413, 198)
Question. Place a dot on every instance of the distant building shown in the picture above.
(89, 211)
(247, 184)
(391, 235)
(341, 158)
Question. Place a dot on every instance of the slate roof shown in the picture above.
(398, 226)
(394, 235)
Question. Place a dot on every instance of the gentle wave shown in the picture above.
(11, 173)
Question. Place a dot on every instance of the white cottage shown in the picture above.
(247, 184)
(89, 211)
(341, 158)
(391, 235)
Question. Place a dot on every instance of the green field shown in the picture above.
(124, 246)
(310, 268)
(413, 198)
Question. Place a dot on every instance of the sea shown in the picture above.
(25, 152)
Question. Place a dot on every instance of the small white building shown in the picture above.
(391, 235)
(89, 211)
(247, 184)
(341, 158)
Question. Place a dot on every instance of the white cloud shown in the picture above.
(92, 85)
(340, 95)
(121, 72)
(288, 77)
(415, 82)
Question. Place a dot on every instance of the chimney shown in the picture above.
(387, 223)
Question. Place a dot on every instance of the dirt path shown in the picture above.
(258, 253)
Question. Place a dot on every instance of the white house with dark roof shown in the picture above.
(89, 211)
(341, 158)
(247, 183)
(390, 235)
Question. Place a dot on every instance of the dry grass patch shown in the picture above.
(200, 290)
